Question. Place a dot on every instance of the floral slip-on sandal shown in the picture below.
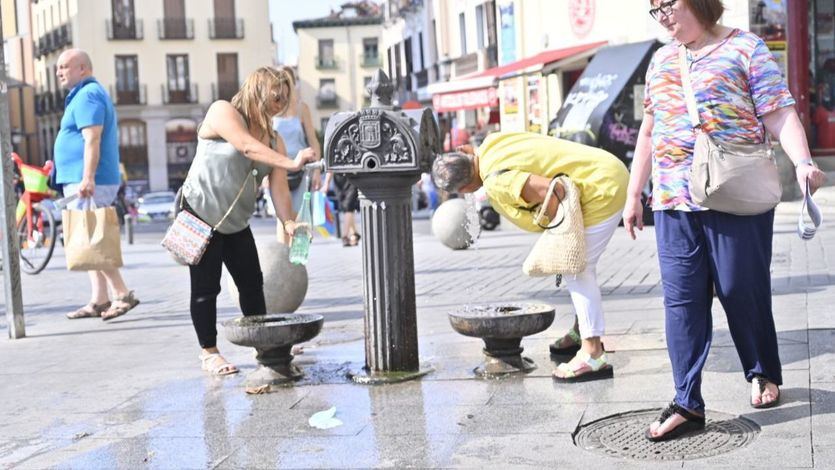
(693, 423)
(571, 349)
(760, 382)
(90, 310)
(589, 369)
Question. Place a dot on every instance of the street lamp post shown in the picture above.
(11, 255)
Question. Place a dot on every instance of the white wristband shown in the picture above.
(804, 162)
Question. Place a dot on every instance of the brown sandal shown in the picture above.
(121, 305)
(90, 310)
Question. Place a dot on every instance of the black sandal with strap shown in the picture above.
(694, 423)
(761, 382)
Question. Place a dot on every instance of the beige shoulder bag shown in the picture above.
(740, 179)
(561, 249)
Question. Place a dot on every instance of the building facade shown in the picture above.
(20, 79)
(467, 46)
(162, 61)
(411, 49)
(338, 56)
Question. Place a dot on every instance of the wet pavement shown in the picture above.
(130, 393)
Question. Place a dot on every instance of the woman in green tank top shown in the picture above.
(234, 151)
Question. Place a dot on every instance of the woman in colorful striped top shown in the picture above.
(740, 94)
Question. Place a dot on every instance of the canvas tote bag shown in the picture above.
(561, 249)
(740, 179)
(92, 238)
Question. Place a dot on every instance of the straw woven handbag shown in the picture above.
(561, 249)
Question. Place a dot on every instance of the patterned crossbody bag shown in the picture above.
(188, 237)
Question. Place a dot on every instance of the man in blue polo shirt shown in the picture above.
(87, 163)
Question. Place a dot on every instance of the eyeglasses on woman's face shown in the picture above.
(663, 10)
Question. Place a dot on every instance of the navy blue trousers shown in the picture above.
(702, 251)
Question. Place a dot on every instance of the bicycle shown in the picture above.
(36, 227)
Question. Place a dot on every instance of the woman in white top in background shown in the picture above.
(295, 126)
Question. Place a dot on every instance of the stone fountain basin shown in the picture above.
(274, 330)
(503, 320)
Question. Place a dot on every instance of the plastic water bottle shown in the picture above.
(300, 246)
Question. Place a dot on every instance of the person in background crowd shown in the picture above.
(295, 127)
(87, 164)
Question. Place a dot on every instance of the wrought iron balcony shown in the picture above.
(175, 28)
(326, 63)
(368, 60)
(44, 102)
(327, 100)
(118, 31)
(187, 95)
(422, 78)
(59, 97)
(226, 28)
(122, 95)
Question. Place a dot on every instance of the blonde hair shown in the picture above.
(262, 85)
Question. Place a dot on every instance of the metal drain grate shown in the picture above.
(622, 436)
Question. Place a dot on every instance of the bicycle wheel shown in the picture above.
(37, 244)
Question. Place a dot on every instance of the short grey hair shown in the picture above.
(452, 171)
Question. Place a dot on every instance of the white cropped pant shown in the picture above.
(585, 293)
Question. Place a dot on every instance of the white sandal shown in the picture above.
(590, 369)
(217, 365)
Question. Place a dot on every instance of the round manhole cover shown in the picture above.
(622, 436)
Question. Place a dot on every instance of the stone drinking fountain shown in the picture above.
(383, 151)
(502, 327)
(273, 336)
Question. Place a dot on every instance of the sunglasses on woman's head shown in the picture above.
(665, 9)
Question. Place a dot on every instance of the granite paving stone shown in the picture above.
(130, 393)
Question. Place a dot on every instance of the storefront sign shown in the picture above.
(779, 50)
(534, 104)
(510, 95)
(581, 16)
(601, 106)
(472, 99)
(507, 22)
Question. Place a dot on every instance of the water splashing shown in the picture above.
(472, 224)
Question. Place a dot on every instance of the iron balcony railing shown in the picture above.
(369, 60)
(187, 95)
(59, 97)
(118, 31)
(327, 100)
(422, 78)
(326, 63)
(122, 95)
(226, 28)
(175, 28)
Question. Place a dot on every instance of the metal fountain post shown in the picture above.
(383, 151)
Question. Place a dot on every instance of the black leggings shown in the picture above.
(237, 251)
